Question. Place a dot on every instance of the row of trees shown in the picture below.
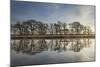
(38, 27)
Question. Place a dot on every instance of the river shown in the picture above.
(51, 51)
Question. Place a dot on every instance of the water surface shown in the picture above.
(46, 51)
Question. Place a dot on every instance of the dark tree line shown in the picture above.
(37, 27)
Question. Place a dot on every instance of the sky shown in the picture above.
(52, 12)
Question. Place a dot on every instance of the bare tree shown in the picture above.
(76, 27)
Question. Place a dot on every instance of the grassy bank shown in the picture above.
(54, 36)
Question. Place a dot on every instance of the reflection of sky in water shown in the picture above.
(52, 56)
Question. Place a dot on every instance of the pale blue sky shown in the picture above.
(51, 12)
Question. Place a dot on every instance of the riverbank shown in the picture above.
(53, 36)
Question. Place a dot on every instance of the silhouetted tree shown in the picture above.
(76, 27)
(18, 25)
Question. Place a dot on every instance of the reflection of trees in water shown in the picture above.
(29, 46)
(37, 46)
(80, 44)
(77, 46)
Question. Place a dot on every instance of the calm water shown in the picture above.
(45, 51)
